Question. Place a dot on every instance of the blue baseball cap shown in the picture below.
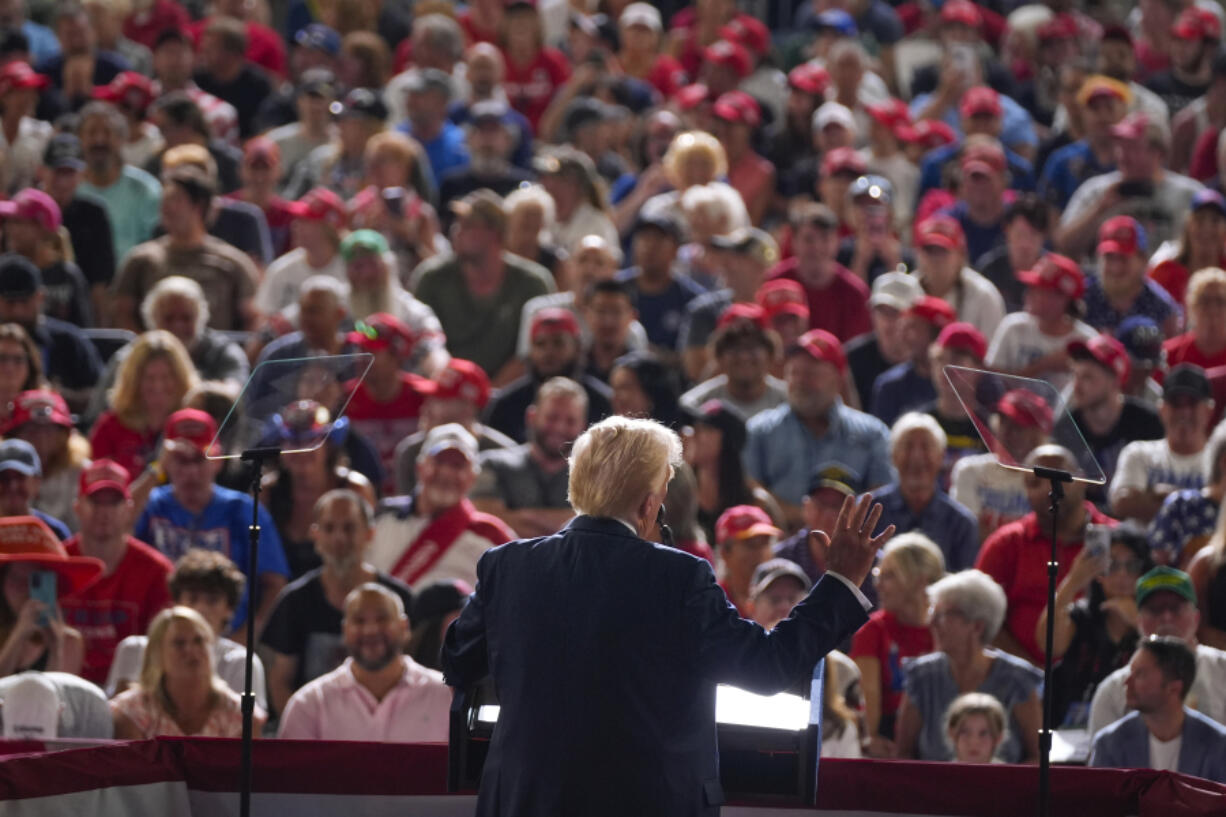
(19, 455)
(1142, 337)
(836, 20)
(319, 37)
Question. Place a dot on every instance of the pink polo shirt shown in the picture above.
(336, 707)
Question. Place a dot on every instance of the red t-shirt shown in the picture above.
(130, 448)
(531, 87)
(117, 605)
(1016, 557)
(1173, 277)
(750, 176)
(888, 640)
(840, 308)
(386, 424)
(666, 76)
(1183, 349)
(145, 26)
(264, 46)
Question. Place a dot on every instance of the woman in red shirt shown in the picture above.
(898, 630)
(1203, 244)
(641, 34)
(1205, 343)
(155, 375)
(535, 72)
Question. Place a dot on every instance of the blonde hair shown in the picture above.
(917, 557)
(693, 144)
(153, 665)
(152, 345)
(193, 155)
(181, 287)
(974, 703)
(1202, 280)
(615, 461)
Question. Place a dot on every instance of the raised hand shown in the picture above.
(851, 548)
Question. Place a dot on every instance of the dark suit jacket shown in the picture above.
(606, 650)
(1125, 745)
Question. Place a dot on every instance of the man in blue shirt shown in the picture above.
(916, 502)
(908, 385)
(980, 208)
(1104, 102)
(191, 512)
(786, 442)
(428, 97)
(660, 293)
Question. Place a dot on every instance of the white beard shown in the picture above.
(364, 303)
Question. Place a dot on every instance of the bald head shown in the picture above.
(375, 628)
(373, 594)
(485, 69)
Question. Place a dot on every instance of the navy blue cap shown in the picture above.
(319, 37)
(18, 455)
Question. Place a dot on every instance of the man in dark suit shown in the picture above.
(606, 648)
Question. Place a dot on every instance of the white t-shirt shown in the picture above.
(285, 275)
(229, 662)
(1208, 694)
(1145, 464)
(995, 495)
(1018, 343)
(977, 301)
(585, 221)
(1164, 754)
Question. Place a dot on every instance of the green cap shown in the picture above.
(363, 241)
(1165, 578)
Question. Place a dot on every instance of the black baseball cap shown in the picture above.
(361, 102)
(1187, 379)
(837, 477)
(661, 220)
(19, 278)
(64, 150)
(318, 82)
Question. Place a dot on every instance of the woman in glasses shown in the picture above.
(1096, 634)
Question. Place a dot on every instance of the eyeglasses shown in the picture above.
(1132, 566)
(14, 360)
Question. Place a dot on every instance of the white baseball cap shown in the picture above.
(641, 14)
(31, 709)
(896, 289)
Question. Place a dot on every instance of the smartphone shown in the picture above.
(394, 198)
(1140, 189)
(42, 588)
(964, 60)
(1098, 542)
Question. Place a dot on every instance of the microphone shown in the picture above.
(666, 533)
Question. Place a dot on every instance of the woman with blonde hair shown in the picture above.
(21, 366)
(693, 159)
(179, 693)
(150, 386)
(897, 630)
(1204, 344)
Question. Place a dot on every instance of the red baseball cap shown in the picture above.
(961, 11)
(753, 313)
(1059, 27)
(128, 88)
(1027, 409)
(1122, 235)
(963, 337)
(18, 74)
(783, 296)
(941, 231)
(320, 204)
(261, 149)
(930, 134)
(1058, 272)
(1197, 24)
(191, 427)
(738, 106)
(730, 54)
(810, 78)
(1136, 126)
(893, 113)
(822, 346)
(383, 331)
(462, 380)
(104, 475)
(981, 101)
(34, 205)
(932, 310)
(1106, 351)
(691, 96)
(554, 321)
(38, 405)
(749, 32)
(843, 160)
(743, 521)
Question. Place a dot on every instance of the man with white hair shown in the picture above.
(178, 305)
(915, 500)
(644, 630)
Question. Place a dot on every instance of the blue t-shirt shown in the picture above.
(1066, 169)
(57, 527)
(222, 526)
(1153, 302)
(980, 239)
(661, 313)
(937, 163)
(446, 152)
(1017, 128)
(900, 389)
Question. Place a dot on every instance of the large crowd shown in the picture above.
(770, 226)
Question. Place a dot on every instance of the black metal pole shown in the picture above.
(255, 457)
(1056, 479)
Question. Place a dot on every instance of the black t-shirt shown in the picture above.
(995, 266)
(961, 436)
(460, 182)
(304, 625)
(1137, 422)
(69, 359)
(90, 228)
(246, 93)
(1176, 93)
(866, 363)
(876, 266)
(67, 294)
(1091, 656)
(506, 411)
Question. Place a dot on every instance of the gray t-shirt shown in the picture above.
(1162, 214)
(716, 388)
(84, 714)
(512, 475)
(483, 330)
(701, 317)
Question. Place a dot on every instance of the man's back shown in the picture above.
(606, 650)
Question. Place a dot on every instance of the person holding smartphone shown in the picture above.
(35, 571)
